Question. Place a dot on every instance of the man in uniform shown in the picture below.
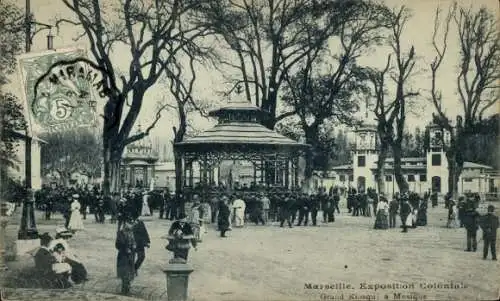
(489, 224)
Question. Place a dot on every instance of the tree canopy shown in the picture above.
(11, 110)
(68, 152)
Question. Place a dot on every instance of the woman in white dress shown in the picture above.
(75, 220)
(239, 212)
(145, 206)
(196, 221)
(453, 215)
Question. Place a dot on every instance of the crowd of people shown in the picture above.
(192, 213)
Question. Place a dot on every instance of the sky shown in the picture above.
(418, 33)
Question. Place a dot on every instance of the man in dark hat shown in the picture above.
(314, 203)
(405, 212)
(393, 212)
(471, 218)
(223, 224)
(142, 241)
(489, 224)
(303, 204)
(284, 212)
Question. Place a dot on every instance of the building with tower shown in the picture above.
(429, 173)
(138, 163)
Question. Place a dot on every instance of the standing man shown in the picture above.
(239, 207)
(49, 205)
(393, 212)
(303, 204)
(285, 211)
(84, 202)
(489, 224)
(223, 216)
(67, 211)
(461, 210)
(314, 207)
(266, 205)
(164, 206)
(405, 212)
(258, 211)
(471, 218)
(142, 242)
(214, 207)
(331, 210)
(336, 200)
(434, 199)
(323, 200)
(100, 209)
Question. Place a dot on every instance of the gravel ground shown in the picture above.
(273, 263)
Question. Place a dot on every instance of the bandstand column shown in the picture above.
(262, 171)
(287, 173)
(191, 174)
(184, 172)
(296, 171)
(152, 173)
(218, 174)
(145, 176)
(132, 176)
(254, 172)
(205, 178)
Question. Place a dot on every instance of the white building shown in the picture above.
(422, 174)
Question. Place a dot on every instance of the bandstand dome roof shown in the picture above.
(141, 151)
(236, 106)
(366, 127)
(240, 133)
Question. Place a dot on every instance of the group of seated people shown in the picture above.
(55, 265)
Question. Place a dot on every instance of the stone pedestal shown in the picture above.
(28, 226)
(177, 281)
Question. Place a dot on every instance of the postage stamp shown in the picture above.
(58, 96)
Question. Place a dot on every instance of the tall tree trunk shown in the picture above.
(269, 105)
(380, 175)
(398, 172)
(112, 160)
(455, 168)
(106, 183)
(115, 178)
(178, 172)
(310, 134)
(179, 137)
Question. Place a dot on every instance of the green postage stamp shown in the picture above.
(58, 97)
